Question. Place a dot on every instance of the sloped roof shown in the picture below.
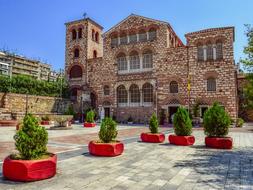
(134, 15)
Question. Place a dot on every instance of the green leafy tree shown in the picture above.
(23, 84)
(247, 97)
(90, 116)
(153, 124)
(31, 140)
(216, 121)
(108, 130)
(182, 122)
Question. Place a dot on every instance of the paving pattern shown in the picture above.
(155, 166)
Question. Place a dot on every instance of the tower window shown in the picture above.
(75, 72)
(94, 54)
(93, 34)
(80, 31)
(76, 53)
(73, 34)
(96, 37)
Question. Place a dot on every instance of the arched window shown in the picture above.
(106, 90)
(200, 52)
(134, 94)
(122, 95)
(132, 37)
(211, 84)
(134, 60)
(152, 34)
(97, 37)
(219, 53)
(94, 54)
(122, 62)
(76, 53)
(147, 59)
(75, 72)
(147, 89)
(142, 36)
(74, 34)
(173, 87)
(123, 39)
(209, 51)
(93, 34)
(80, 33)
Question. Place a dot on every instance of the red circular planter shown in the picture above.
(219, 142)
(8, 123)
(106, 149)
(86, 124)
(44, 122)
(181, 140)
(29, 170)
(152, 138)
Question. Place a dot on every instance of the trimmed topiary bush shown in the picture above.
(182, 122)
(31, 139)
(108, 130)
(153, 124)
(90, 116)
(239, 122)
(216, 121)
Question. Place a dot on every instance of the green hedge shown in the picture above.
(22, 84)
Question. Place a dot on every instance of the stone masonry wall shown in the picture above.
(16, 103)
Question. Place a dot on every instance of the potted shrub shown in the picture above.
(239, 122)
(89, 120)
(107, 145)
(183, 128)
(33, 162)
(45, 120)
(196, 115)
(62, 122)
(130, 120)
(216, 127)
(153, 136)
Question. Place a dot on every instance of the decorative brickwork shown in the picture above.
(122, 60)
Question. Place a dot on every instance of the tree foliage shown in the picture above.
(31, 140)
(182, 122)
(216, 121)
(108, 130)
(247, 93)
(23, 84)
(153, 124)
(90, 116)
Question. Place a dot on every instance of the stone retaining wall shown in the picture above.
(20, 103)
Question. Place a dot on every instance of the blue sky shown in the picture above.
(35, 28)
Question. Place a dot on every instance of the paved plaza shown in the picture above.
(142, 165)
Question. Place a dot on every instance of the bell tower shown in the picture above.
(83, 41)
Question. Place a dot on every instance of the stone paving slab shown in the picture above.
(155, 166)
